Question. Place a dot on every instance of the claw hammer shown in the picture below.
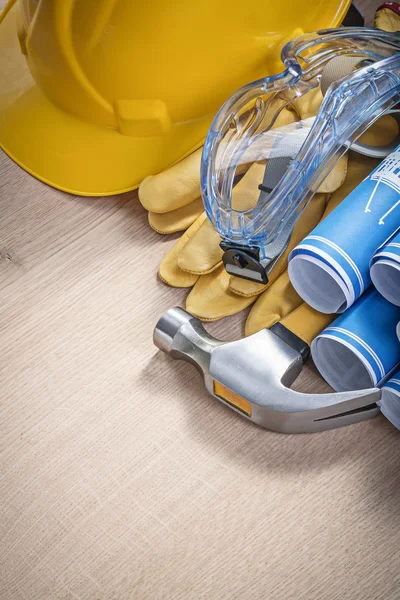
(252, 376)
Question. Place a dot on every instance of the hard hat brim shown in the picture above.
(81, 157)
(66, 152)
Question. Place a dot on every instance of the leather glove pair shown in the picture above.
(174, 203)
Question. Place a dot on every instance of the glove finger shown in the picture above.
(359, 167)
(245, 287)
(387, 19)
(306, 322)
(276, 115)
(309, 218)
(173, 188)
(169, 271)
(279, 300)
(210, 299)
(308, 105)
(245, 194)
(294, 314)
(335, 178)
(176, 220)
(202, 253)
(381, 133)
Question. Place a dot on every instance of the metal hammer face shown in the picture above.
(252, 376)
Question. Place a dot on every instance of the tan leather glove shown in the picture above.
(388, 17)
(196, 259)
(173, 197)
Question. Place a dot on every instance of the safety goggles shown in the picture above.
(357, 71)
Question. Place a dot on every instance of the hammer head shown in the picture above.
(252, 376)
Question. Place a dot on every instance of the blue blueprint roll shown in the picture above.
(330, 267)
(360, 349)
(385, 270)
(390, 403)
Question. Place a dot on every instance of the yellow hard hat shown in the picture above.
(97, 94)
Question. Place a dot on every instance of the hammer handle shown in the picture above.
(306, 322)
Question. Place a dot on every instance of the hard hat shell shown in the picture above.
(97, 94)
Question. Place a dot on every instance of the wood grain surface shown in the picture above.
(120, 478)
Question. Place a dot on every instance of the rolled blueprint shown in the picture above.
(390, 403)
(330, 268)
(385, 270)
(360, 349)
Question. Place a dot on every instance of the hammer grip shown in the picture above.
(306, 322)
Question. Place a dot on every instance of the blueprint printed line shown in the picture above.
(387, 173)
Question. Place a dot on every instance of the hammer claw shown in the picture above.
(251, 376)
